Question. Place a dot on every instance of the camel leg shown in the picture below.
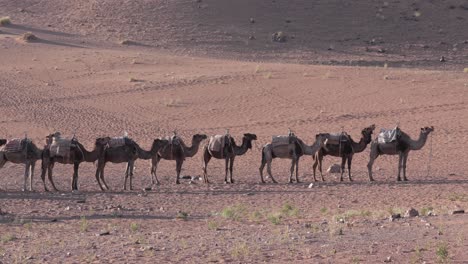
(26, 175)
(297, 170)
(405, 158)
(314, 166)
(350, 158)
(226, 167)
(206, 159)
(262, 166)
(101, 175)
(154, 167)
(31, 175)
(127, 172)
(44, 166)
(99, 171)
(269, 171)
(320, 161)
(131, 175)
(231, 164)
(50, 171)
(400, 165)
(343, 163)
(178, 169)
(76, 166)
(372, 157)
(291, 170)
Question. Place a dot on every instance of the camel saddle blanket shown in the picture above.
(218, 143)
(116, 142)
(336, 139)
(174, 140)
(388, 135)
(60, 147)
(15, 145)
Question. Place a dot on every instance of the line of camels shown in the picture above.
(126, 150)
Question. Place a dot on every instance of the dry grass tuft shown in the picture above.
(4, 21)
(28, 37)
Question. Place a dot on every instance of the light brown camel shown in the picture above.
(294, 150)
(345, 148)
(26, 153)
(227, 152)
(128, 152)
(401, 147)
(74, 154)
(178, 151)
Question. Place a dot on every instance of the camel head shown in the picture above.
(199, 137)
(427, 130)
(3, 142)
(321, 138)
(367, 133)
(249, 138)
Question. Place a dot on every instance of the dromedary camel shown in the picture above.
(178, 151)
(128, 152)
(401, 147)
(73, 152)
(21, 151)
(293, 150)
(345, 148)
(228, 152)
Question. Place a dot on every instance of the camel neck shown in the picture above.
(419, 143)
(243, 148)
(310, 150)
(192, 150)
(359, 146)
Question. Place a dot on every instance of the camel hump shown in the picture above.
(218, 143)
(337, 138)
(61, 146)
(388, 135)
(15, 145)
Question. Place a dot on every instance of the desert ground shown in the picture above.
(148, 68)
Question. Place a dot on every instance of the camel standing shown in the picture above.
(75, 154)
(401, 147)
(294, 150)
(228, 153)
(345, 149)
(27, 154)
(128, 152)
(178, 151)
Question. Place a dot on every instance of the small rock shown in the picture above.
(251, 37)
(412, 213)
(393, 217)
(442, 59)
(106, 233)
(458, 211)
(388, 259)
(252, 20)
(311, 185)
(147, 189)
(81, 201)
(68, 254)
(278, 37)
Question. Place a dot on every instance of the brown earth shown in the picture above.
(190, 66)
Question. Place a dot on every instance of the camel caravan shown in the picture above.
(224, 147)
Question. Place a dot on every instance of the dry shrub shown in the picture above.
(4, 21)
(28, 37)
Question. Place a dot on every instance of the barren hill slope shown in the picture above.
(325, 31)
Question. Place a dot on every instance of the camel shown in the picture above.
(345, 148)
(128, 152)
(295, 149)
(75, 154)
(227, 152)
(401, 147)
(178, 151)
(27, 153)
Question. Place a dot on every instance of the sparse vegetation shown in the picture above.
(442, 253)
(425, 210)
(125, 42)
(323, 210)
(28, 37)
(182, 215)
(240, 250)
(255, 216)
(8, 238)
(353, 214)
(233, 212)
(84, 224)
(268, 75)
(134, 227)
(465, 70)
(213, 225)
(289, 210)
(4, 21)
(458, 197)
(275, 218)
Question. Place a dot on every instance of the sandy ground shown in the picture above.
(77, 79)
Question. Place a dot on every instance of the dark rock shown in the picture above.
(458, 211)
(412, 213)
(278, 37)
(393, 217)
